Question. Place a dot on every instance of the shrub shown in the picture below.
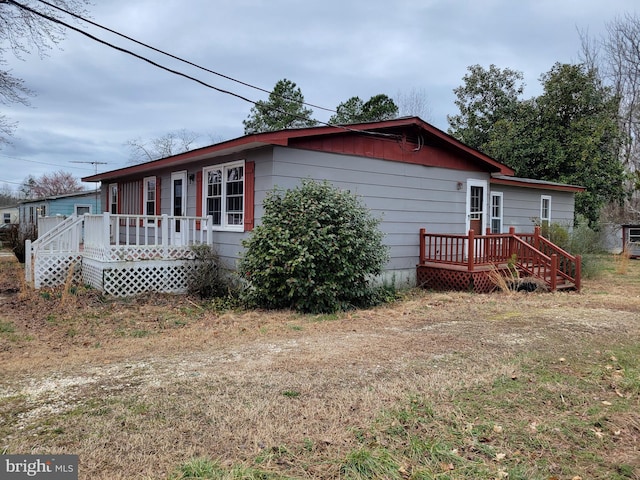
(209, 279)
(317, 251)
(584, 239)
(17, 238)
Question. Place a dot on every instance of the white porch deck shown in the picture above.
(120, 255)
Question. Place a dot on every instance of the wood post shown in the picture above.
(554, 272)
(165, 235)
(28, 267)
(471, 251)
(536, 237)
(512, 242)
(423, 232)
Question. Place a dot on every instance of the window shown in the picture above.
(42, 210)
(7, 218)
(82, 209)
(545, 210)
(223, 195)
(149, 196)
(634, 235)
(496, 212)
(476, 203)
(32, 215)
(113, 198)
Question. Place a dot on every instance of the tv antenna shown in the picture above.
(94, 163)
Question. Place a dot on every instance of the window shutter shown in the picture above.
(198, 198)
(249, 195)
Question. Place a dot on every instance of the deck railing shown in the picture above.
(110, 237)
(531, 253)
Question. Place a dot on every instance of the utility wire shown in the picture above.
(42, 163)
(75, 15)
(181, 74)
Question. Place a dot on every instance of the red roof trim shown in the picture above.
(283, 138)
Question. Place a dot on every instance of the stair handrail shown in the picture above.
(60, 228)
(32, 248)
(552, 262)
(569, 266)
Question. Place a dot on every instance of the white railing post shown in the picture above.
(165, 235)
(105, 240)
(210, 230)
(28, 267)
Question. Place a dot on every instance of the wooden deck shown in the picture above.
(469, 262)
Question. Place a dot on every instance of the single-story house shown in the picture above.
(46, 211)
(407, 172)
(9, 214)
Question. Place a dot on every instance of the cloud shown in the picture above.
(91, 99)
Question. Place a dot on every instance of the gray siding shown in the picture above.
(521, 207)
(405, 197)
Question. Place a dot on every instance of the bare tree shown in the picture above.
(7, 195)
(617, 57)
(414, 103)
(49, 184)
(21, 32)
(167, 145)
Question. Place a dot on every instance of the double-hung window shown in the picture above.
(545, 210)
(223, 195)
(113, 198)
(496, 212)
(149, 196)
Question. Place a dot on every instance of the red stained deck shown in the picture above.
(466, 262)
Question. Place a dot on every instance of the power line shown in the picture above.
(189, 77)
(175, 57)
(41, 163)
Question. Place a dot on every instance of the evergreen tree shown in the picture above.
(283, 109)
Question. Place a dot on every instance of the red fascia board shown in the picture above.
(541, 186)
(283, 138)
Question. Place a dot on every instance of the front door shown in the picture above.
(476, 206)
(179, 207)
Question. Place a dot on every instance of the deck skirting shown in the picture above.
(128, 278)
(442, 277)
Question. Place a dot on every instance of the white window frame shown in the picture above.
(82, 205)
(492, 217)
(145, 196)
(113, 198)
(224, 214)
(545, 199)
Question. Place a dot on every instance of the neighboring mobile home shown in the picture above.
(44, 212)
(9, 214)
(409, 173)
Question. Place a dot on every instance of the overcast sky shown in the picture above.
(91, 99)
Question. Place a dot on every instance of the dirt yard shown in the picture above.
(517, 384)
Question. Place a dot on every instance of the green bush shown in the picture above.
(584, 239)
(317, 251)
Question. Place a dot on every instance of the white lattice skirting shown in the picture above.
(124, 279)
(52, 269)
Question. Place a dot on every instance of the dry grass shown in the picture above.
(438, 385)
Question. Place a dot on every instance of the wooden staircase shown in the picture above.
(457, 261)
